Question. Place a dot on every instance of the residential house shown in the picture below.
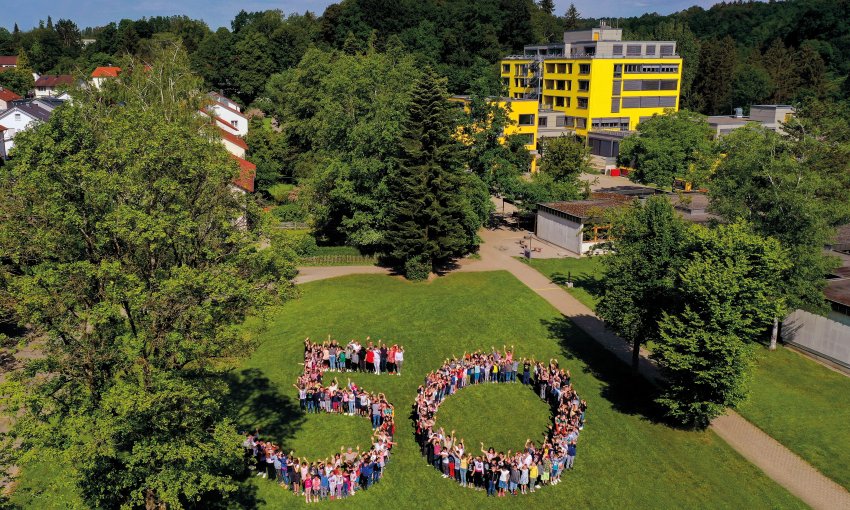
(6, 98)
(101, 74)
(8, 61)
(49, 85)
(19, 117)
(228, 111)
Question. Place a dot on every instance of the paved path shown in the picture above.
(779, 463)
(310, 274)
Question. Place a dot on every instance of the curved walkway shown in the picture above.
(779, 463)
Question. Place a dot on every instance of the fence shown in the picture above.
(818, 335)
(339, 260)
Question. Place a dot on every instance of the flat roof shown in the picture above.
(585, 209)
(838, 291)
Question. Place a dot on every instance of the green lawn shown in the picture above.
(806, 407)
(586, 275)
(626, 458)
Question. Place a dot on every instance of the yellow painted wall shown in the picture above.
(600, 93)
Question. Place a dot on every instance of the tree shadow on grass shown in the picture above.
(258, 404)
(628, 393)
(590, 283)
(261, 405)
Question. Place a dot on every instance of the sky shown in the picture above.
(217, 13)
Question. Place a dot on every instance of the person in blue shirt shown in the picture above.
(571, 454)
(366, 475)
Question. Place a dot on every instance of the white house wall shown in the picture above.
(559, 231)
(230, 117)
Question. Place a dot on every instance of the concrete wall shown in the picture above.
(818, 335)
(559, 231)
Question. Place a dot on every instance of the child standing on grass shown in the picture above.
(308, 487)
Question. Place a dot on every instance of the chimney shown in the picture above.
(739, 113)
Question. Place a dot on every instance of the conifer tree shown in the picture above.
(547, 6)
(572, 17)
(429, 218)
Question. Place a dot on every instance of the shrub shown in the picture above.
(417, 269)
(289, 212)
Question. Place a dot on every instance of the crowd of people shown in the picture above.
(351, 470)
(500, 473)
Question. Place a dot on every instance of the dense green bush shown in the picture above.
(289, 212)
(417, 269)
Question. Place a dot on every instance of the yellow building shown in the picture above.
(600, 82)
(522, 117)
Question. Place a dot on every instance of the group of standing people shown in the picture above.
(368, 356)
(349, 470)
(501, 473)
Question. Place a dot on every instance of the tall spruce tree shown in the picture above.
(572, 17)
(429, 218)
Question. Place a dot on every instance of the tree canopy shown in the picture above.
(121, 232)
(676, 144)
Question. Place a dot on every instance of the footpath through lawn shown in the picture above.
(625, 459)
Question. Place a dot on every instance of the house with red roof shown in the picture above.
(6, 98)
(228, 111)
(50, 85)
(8, 61)
(101, 74)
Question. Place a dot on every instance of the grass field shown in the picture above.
(804, 406)
(586, 274)
(626, 457)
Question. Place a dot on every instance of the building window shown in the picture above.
(631, 102)
(584, 69)
(559, 102)
(618, 70)
(667, 50)
(550, 68)
(506, 82)
(670, 68)
(618, 50)
(650, 49)
(542, 121)
(526, 119)
(615, 90)
(646, 68)
(650, 85)
(633, 50)
(581, 123)
(615, 105)
(632, 68)
(581, 103)
(669, 85)
(506, 68)
(17, 117)
(590, 50)
(667, 101)
(649, 102)
(569, 121)
(632, 85)
(560, 121)
(583, 85)
(235, 123)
